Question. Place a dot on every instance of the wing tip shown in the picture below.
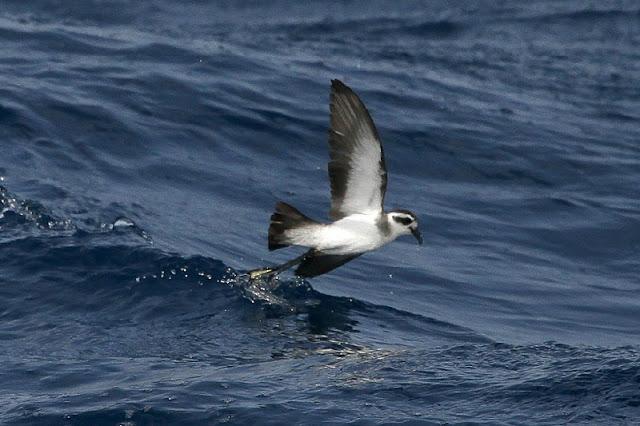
(339, 86)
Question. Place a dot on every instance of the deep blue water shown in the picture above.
(144, 144)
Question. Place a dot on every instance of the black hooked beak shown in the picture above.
(416, 233)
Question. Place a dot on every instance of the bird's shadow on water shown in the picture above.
(311, 323)
(279, 298)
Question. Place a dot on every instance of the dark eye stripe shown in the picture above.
(403, 220)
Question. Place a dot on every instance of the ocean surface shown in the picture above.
(143, 146)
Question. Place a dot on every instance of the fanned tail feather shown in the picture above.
(284, 219)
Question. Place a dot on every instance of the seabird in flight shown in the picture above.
(358, 178)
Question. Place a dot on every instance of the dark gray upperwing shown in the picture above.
(357, 169)
(315, 263)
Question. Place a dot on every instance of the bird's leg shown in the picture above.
(275, 270)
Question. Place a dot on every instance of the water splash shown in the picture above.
(14, 211)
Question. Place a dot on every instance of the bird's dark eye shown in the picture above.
(403, 219)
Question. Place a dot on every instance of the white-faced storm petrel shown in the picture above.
(358, 178)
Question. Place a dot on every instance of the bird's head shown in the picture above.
(404, 222)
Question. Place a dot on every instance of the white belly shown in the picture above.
(351, 235)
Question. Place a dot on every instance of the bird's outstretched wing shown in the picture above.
(356, 168)
(314, 263)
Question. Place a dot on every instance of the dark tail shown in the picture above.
(283, 219)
